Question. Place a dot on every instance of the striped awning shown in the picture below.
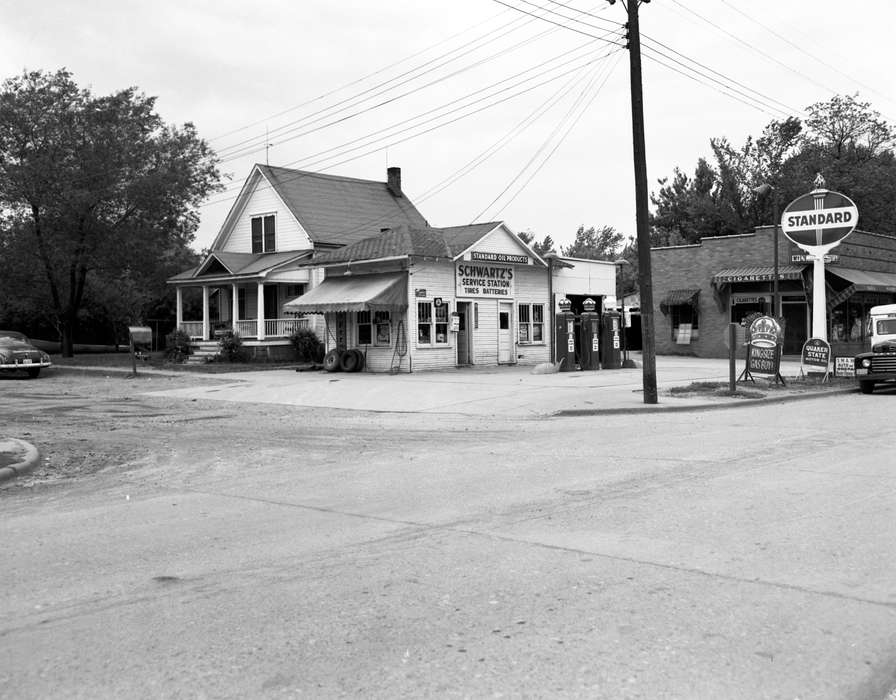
(756, 274)
(865, 280)
(679, 297)
(385, 292)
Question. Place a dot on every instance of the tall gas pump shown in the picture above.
(565, 336)
(589, 336)
(611, 340)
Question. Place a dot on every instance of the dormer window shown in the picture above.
(263, 238)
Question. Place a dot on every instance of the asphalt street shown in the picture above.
(269, 549)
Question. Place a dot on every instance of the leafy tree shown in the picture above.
(843, 138)
(594, 244)
(541, 249)
(99, 189)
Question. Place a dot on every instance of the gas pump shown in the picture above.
(589, 336)
(565, 335)
(611, 340)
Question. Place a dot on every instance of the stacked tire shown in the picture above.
(344, 361)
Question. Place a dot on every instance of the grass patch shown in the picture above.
(716, 389)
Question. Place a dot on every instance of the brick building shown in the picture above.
(699, 289)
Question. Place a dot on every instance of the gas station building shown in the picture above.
(699, 289)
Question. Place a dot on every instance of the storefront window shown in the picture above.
(374, 329)
(531, 323)
(684, 324)
(432, 323)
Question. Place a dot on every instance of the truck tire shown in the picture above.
(332, 361)
(866, 387)
(351, 361)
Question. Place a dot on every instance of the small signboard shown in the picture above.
(764, 346)
(817, 354)
(844, 367)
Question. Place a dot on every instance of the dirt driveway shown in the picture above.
(86, 421)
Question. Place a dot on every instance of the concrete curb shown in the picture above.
(30, 458)
(714, 406)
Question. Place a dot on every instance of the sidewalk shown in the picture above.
(506, 391)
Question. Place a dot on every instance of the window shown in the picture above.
(375, 328)
(531, 323)
(432, 323)
(684, 323)
(263, 239)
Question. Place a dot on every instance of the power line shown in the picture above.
(571, 125)
(249, 145)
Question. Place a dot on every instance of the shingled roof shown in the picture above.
(338, 210)
(428, 242)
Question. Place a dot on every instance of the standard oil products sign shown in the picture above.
(483, 279)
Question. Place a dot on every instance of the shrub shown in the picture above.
(177, 346)
(309, 347)
(231, 347)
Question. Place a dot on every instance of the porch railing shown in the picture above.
(248, 328)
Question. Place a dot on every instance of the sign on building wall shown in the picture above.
(499, 257)
(484, 281)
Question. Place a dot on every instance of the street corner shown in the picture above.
(16, 457)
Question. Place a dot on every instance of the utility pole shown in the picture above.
(648, 343)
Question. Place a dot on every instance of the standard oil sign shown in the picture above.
(475, 279)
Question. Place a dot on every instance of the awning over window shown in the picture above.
(679, 297)
(385, 292)
(756, 274)
(864, 280)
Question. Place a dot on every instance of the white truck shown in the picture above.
(879, 365)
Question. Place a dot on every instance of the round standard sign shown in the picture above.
(819, 218)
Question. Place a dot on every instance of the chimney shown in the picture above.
(393, 181)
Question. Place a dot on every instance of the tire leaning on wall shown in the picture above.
(333, 361)
(351, 361)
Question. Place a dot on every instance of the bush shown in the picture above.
(177, 346)
(231, 348)
(309, 347)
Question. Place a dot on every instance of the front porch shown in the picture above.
(253, 311)
(251, 329)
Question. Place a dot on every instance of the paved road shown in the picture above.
(262, 551)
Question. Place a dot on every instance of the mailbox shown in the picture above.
(611, 340)
(589, 336)
(565, 337)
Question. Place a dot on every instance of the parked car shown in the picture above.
(18, 354)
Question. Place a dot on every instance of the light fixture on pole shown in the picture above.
(765, 190)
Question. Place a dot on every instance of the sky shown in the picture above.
(510, 110)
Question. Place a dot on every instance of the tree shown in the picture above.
(594, 244)
(100, 189)
(843, 138)
(541, 249)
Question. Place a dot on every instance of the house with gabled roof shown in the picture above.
(413, 299)
(257, 262)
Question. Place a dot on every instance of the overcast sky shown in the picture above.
(491, 113)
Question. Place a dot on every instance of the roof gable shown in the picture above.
(331, 209)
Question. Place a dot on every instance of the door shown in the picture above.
(464, 352)
(271, 308)
(796, 324)
(505, 332)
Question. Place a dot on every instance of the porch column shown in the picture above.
(206, 325)
(235, 306)
(260, 304)
(179, 314)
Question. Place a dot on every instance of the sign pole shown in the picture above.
(819, 299)
(816, 222)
